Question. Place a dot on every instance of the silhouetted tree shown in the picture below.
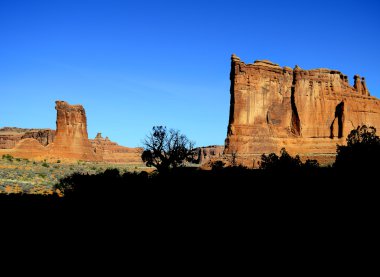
(166, 149)
(363, 135)
(362, 150)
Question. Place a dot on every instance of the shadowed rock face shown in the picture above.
(306, 111)
(43, 136)
(205, 154)
(71, 139)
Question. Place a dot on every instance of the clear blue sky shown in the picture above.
(136, 64)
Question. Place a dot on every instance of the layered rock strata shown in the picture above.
(9, 136)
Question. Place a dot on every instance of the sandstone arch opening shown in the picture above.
(337, 123)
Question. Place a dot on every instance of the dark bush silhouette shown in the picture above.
(282, 162)
(166, 149)
(217, 165)
(285, 162)
(310, 164)
(108, 184)
(362, 150)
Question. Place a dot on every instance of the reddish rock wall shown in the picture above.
(306, 111)
(43, 136)
(9, 136)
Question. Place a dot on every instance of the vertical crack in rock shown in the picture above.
(295, 124)
(339, 117)
(340, 114)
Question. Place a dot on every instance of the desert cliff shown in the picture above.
(308, 112)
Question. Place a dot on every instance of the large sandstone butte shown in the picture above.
(308, 112)
(69, 142)
(71, 138)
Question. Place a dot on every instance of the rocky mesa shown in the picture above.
(308, 112)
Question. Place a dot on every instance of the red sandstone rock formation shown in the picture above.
(111, 152)
(9, 136)
(69, 142)
(306, 111)
(71, 139)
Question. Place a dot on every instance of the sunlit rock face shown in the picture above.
(71, 138)
(308, 112)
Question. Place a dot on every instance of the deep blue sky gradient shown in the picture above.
(135, 64)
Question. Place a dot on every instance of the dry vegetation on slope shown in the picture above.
(38, 177)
